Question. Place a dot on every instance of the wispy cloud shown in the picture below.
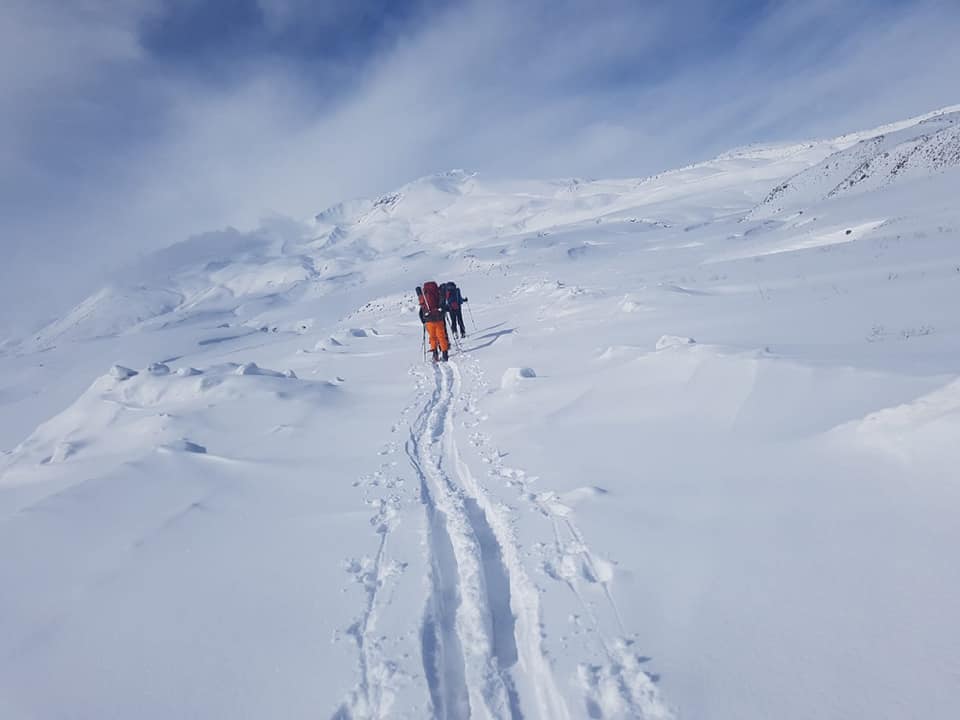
(128, 124)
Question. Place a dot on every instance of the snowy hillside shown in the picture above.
(694, 458)
(931, 145)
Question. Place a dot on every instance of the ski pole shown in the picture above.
(423, 343)
(470, 309)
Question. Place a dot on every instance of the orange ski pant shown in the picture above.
(437, 331)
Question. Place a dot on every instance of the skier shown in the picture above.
(452, 301)
(432, 316)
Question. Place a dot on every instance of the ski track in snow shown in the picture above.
(481, 638)
(619, 687)
(481, 624)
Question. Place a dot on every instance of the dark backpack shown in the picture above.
(452, 297)
(445, 296)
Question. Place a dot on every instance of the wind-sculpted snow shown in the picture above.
(127, 413)
(694, 457)
(110, 311)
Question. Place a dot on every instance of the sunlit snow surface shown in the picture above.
(696, 457)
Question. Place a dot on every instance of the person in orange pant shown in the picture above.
(431, 315)
(437, 332)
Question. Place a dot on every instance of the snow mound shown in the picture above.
(121, 373)
(330, 342)
(513, 377)
(251, 368)
(631, 305)
(158, 369)
(674, 341)
(115, 421)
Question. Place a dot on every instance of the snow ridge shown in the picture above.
(919, 150)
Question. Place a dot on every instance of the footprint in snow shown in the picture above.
(388, 449)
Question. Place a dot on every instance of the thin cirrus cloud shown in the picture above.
(128, 124)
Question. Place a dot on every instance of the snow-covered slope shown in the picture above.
(930, 146)
(236, 275)
(694, 458)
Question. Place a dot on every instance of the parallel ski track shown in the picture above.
(621, 683)
(443, 660)
(520, 596)
(481, 623)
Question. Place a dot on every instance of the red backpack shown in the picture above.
(430, 300)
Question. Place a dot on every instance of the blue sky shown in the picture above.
(126, 125)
